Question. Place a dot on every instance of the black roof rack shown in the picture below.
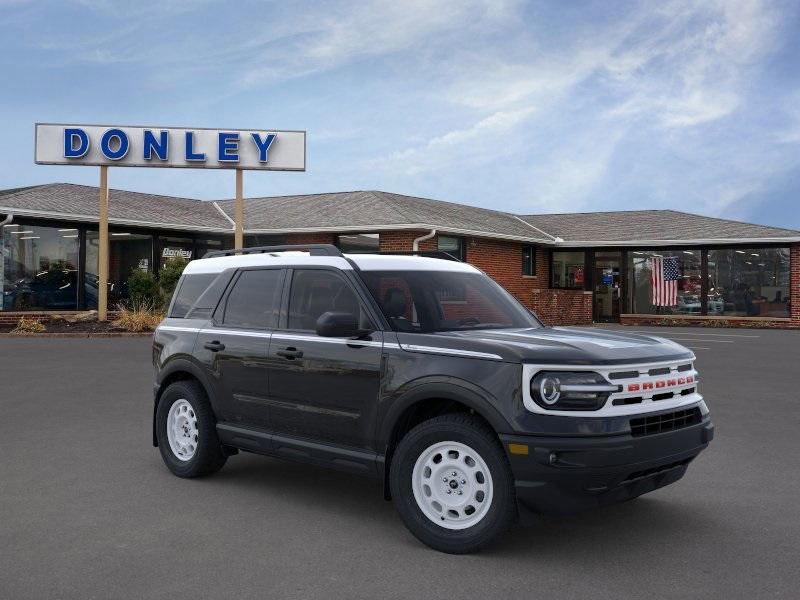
(313, 250)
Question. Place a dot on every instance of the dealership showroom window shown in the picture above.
(43, 267)
(741, 282)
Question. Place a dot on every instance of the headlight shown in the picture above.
(564, 390)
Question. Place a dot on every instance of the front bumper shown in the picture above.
(562, 475)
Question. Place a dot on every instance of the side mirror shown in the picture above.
(337, 324)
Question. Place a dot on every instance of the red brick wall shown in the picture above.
(563, 307)
(311, 238)
(794, 284)
(13, 317)
(403, 241)
(709, 321)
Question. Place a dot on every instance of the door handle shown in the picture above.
(290, 353)
(214, 346)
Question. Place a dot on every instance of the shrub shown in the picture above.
(142, 316)
(169, 275)
(143, 288)
(26, 325)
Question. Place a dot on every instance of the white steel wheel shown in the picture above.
(182, 432)
(452, 485)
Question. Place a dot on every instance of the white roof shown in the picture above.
(365, 262)
(395, 262)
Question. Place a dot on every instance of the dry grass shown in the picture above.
(138, 318)
(26, 325)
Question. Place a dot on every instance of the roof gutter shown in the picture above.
(7, 220)
(422, 238)
(114, 221)
(556, 239)
(684, 242)
(224, 214)
(401, 227)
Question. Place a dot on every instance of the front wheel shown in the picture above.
(452, 484)
(186, 431)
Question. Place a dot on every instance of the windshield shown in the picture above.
(431, 301)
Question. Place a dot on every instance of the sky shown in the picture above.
(529, 107)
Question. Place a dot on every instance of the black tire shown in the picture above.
(209, 456)
(471, 431)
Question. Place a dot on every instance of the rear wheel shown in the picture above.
(186, 431)
(452, 485)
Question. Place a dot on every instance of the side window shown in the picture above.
(454, 246)
(253, 301)
(317, 291)
(190, 289)
(529, 260)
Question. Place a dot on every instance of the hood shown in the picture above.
(557, 345)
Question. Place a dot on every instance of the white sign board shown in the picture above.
(189, 148)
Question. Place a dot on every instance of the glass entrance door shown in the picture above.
(607, 286)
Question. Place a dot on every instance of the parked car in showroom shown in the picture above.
(425, 374)
(54, 288)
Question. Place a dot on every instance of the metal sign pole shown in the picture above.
(238, 241)
(102, 256)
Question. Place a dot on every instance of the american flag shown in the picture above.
(664, 279)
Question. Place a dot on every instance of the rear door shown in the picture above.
(234, 346)
(323, 388)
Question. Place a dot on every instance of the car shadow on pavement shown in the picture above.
(642, 524)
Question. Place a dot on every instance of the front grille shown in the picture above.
(664, 422)
(659, 371)
(623, 375)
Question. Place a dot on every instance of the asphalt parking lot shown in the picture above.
(87, 509)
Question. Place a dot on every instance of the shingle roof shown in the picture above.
(650, 225)
(374, 210)
(70, 201)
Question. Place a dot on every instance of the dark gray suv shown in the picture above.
(424, 373)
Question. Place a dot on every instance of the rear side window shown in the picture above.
(189, 291)
(253, 302)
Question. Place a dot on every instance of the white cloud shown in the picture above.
(482, 141)
(345, 33)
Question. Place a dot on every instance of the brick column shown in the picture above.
(794, 284)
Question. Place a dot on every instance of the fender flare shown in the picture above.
(446, 388)
(181, 364)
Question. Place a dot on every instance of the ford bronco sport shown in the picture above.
(424, 373)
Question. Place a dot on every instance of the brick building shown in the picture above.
(569, 268)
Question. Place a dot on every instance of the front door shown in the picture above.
(323, 388)
(607, 286)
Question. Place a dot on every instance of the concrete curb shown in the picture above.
(87, 334)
